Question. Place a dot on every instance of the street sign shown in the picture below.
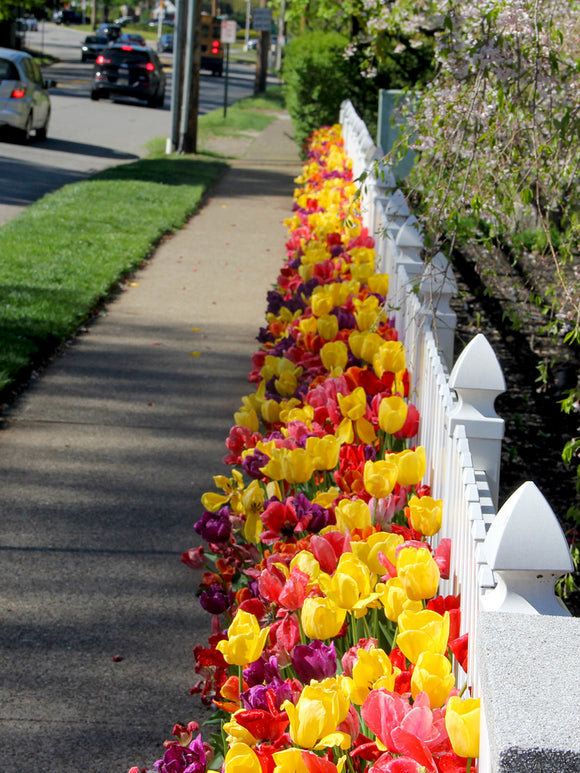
(228, 31)
(262, 19)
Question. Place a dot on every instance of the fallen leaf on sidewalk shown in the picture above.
(195, 354)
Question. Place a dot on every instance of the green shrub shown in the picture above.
(315, 75)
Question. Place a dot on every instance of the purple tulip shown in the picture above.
(252, 463)
(183, 759)
(314, 661)
(215, 600)
(214, 527)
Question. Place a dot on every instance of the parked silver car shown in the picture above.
(24, 100)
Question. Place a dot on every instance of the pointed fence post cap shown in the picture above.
(397, 205)
(477, 367)
(526, 535)
(410, 234)
(438, 277)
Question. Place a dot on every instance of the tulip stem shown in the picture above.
(240, 684)
(349, 764)
(468, 766)
(366, 627)
(302, 634)
(394, 639)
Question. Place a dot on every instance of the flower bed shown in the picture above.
(330, 648)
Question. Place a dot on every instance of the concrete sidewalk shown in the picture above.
(104, 460)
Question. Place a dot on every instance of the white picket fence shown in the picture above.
(501, 562)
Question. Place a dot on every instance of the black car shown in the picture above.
(129, 71)
(92, 46)
(111, 31)
(165, 42)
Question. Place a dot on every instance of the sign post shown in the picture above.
(227, 36)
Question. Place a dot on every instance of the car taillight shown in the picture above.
(101, 59)
(150, 66)
(126, 48)
(215, 47)
(18, 93)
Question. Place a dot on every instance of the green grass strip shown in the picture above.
(65, 254)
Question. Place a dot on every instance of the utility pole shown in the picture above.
(177, 84)
(190, 108)
(281, 42)
(262, 57)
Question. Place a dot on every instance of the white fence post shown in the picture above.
(527, 551)
(477, 379)
(437, 287)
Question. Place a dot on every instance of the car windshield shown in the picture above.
(96, 39)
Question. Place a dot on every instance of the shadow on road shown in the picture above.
(15, 175)
(86, 149)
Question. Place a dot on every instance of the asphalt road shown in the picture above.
(84, 136)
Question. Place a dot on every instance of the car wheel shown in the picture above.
(83, 58)
(160, 99)
(95, 96)
(25, 135)
(42, 131)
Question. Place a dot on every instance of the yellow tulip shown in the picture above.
(334, 355)
(389, 358)
(462, 724)
(380, 477)
(370, 667)
(354, 405)
(294, 409)
(326, 498)
(352, 515)
(351, 584)
(253, 505)
(418, 572)
(236, 733)
(426, 514)
(270, 411)
(362, 273)
(424, 631)
(273, 468)
(366, 312)
(247, 419)
(382, 542)
(362, 255)
(232, 488)
(245, 640)
(297, 465)
(305, 561)
(289, 761)
(322, 303)
(321, 618)
(365, 345)
(412, 465)
(308, 325)
(241, 758)
(392, 414)
(379, 283)
(286, 384)
(270, 368)
(324, 451)
(327, 326)
(432, 674)
(315, 718)
(394, 599)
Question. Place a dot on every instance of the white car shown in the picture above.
(24, 100)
